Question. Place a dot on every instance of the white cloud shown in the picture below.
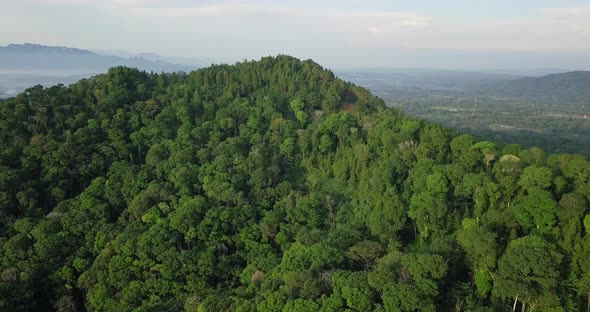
(103, 2)
(318, 19)
(566, 13)
(552, 29)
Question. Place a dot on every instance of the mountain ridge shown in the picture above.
(39, 48)
(23, 65)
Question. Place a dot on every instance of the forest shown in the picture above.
(272, 185)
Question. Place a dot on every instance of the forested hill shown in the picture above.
(564, 86)
(274, 186)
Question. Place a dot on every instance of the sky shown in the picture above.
(342, 34)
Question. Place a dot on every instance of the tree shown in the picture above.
(581, 265)
(527, 271)
(353, 290)
(480, 247)
(415, 286)
(537, 209)
(215, 190)
(428, 211)
(365, 252)
(534, 176)
(571, 206)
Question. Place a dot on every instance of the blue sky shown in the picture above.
(462, 34)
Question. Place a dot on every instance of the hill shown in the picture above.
(559, 87)
(23, 65)
(272, 185)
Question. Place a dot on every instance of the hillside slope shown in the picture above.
(274, 186)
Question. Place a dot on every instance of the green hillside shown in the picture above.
(273, 186)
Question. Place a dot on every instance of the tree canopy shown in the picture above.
(272, 185)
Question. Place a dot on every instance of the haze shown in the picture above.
(501, 34)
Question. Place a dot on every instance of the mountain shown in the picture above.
(568, 85)
(30, 48)
(23, 65)
(562, 86)
(186, 61)
(39, 58)
(272, 185)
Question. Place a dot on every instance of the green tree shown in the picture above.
(528, 271)
(536, 209)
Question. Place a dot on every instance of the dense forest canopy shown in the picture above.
(274, 186)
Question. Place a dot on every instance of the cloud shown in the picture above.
(96, 3)
(567, 13)
(319, 19)
(234, 29)
(551, 29)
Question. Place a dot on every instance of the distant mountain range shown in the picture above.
(36, 57)
(24, 65)
(558, 88)
(28, 48)
(424, 79)
(570, 85)
(157, 57)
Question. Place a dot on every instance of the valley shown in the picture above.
(486, 108)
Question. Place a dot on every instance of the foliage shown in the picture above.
(271, 185)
